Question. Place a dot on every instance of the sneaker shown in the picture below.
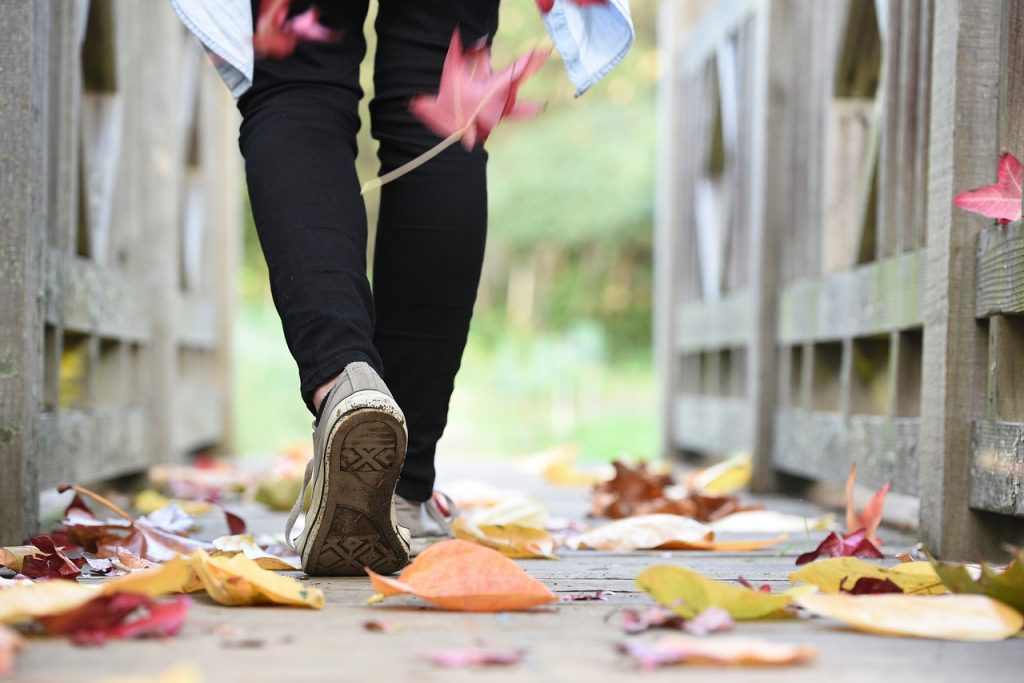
(428, 522)
(344, 519)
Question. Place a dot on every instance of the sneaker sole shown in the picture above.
(353, 527)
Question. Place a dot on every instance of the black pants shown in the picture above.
(298, 137)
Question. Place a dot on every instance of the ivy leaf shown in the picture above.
(471, 99)
(1002, 199)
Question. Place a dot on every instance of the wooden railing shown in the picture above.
(120, 186)
(831, 306)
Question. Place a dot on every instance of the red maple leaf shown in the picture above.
(124, 615)
(471, 99)
(277, 36)
(546, 5)
(1002, 199)
(51, 564)
(853, 544)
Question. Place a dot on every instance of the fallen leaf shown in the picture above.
(151, 500)
(871, 517)
(25, 602)
(946, 617)
(726, 651)
(471, 99)
(277, 35)
(1002, 199)
(520, 511)
(913, 578)
(171, 577)
(869, 586)
(246, 545)
(462, 576)
(633, 621)
(1006, 586)
(687, 593)
(474, 657)
(644, 531)
(728, 476)
(770, 522)
(381, 626)
(50, 562)
(853, 544)
(516, 542)
(585, 597)
(13, 556)
(123, 615)
(237, 580)
(11, 645)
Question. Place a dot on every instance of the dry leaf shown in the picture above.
(725, 651)
(871, 517)
(474, 657)
(1006, 586)
(644, 531)
(721, 479)
(853, 544)
(246, 545)
(770, 522)
(913, 578)
(237, 580)
(516, 542)
(945, 617)
(14, 556)
(463, 576)
(687, 593)
(11, 645)
(123, 615)
(517, 511)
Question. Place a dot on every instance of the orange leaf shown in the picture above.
(462, 576)
(871, 517)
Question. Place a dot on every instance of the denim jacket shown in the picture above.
(591, 39)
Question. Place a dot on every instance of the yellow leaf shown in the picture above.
(237, 580)
(26, 602)
(643, 532)
(517, 511)
(14, 556)
(727, 651)
(915, 578)
(688, 593)
(171, 577)
(516, 542)
(246, 545)
(945, 617)
(151, 500)
(725, 546)
(725, 477)
(466, 577)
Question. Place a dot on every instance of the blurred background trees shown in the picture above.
(560, 345)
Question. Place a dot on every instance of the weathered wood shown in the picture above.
(724, 323)
(716, 25)
(1005, 369)
(711, 424)
(966, 64)
(823, 446)
(872, 299)
(96, 444)
(23, 210)
(1000, 270)
(997, 468)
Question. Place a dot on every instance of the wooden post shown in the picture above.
(962, 154)
(24, 86)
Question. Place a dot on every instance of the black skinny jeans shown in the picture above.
(298, 137)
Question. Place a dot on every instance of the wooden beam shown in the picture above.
(1000, 282)
(713, 425)
(712, 325)
(25, 26)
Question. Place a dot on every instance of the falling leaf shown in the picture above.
(462, 576)
(1006, 586)
(521, 511)
(853, 544)
(471, 99)
(517, 542)
(546, 6)
(381, 626)
(124, 615)
(726, 651)
(11, 645)
(237, 580)
(728, 476)
(277, 35)
(687, 593)
(474, 657)
(246, 545)
(770, 522)
(871, 517)
(1002, 199)
(644, 531)
(914, 578)
(946, 617)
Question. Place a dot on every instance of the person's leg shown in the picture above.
(432, 226)
(300, 120)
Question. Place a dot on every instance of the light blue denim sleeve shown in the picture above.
(224, 27)
(592, 39)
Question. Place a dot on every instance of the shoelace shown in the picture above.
(312, 471)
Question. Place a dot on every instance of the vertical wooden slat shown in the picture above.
(965, 69)
(889, 168)
(24, 89)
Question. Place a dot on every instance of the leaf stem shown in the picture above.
(412, 165)
(98, 498)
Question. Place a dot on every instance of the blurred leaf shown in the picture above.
(1006, 586)
(912, 577)
(517, 542)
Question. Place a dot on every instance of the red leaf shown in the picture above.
(871, 517)
(124, 615)
(277, 36)
(853, 544)
(868, 585)
(471, 99)
(52, 564)
(236, 525)
(1002, 199)
(764, 587)
(546, 5)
